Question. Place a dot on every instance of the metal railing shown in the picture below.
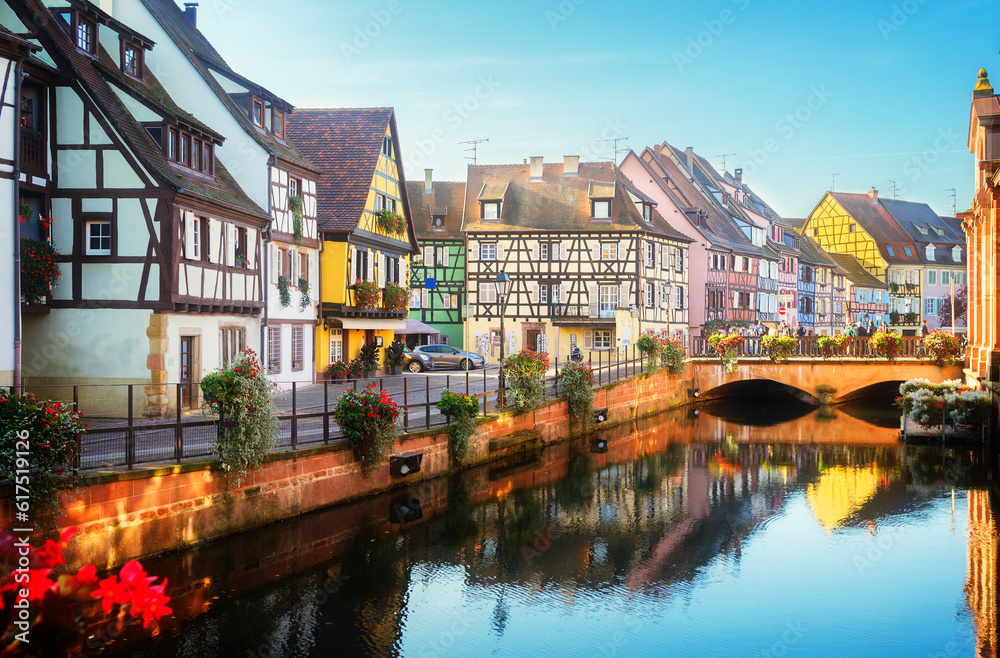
(808, 347)
(119, 436)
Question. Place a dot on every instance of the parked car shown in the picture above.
(417, 361)
(446, 356)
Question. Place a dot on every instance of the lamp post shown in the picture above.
(500, 283)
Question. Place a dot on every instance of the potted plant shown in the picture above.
(461, 411)
(366, 294)
(576, 381)
(650, 349)
(832, 345)
(368, 420)
(727, 347)
(394, 356)
(356, 367)
(369, 358)
(395, 298)
(338, 370)
(39, 270)
(525, 372)
(944, 347)
(778, 347)
(672, 355)
(390, 223)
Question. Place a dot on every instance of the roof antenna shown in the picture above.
(833, 179)
(475, 143)
(893, 189)
(954, 201)
(723, 156)
(615, 140)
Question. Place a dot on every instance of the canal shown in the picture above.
(759, 528)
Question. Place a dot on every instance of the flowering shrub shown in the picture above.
(969, 407)
(395, 298)
(651, 350)
(39, 269)
(390, 222)
(575, 384)
(525, 372)
(832, 345)
(778, 347)
(462, 409)
(944, 347)
(338, 370)
(928, 403)
(368, 420)
(51, 620)
(241, 396)
(366, 294)
(672, 355)
(886, 343)
(40, 440)
(727, 346)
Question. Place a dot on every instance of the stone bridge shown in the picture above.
(832, 381)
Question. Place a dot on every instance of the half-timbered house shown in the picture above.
(592, 262)
(366, 235)
(817, 273)
(868, 296)
(269, 168)
(861, 225)
(437, 274)
(727, 264)
(150, 288)
(785, 241)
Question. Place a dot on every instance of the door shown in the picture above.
(187, 372)
(609, 301)
(532, 339)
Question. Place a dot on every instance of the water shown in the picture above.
(803, 534)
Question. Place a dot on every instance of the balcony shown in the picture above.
(33, 159)
(577, 314)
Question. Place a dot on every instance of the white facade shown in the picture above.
(8, 220)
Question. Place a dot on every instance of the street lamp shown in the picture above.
(500, 283)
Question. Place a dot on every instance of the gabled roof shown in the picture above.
(447, 198)
(345, 144)
(810, 252)
(91, 75)
(877, 221)
(204, 57)
(557, 202)
(913, 216)
(856, 272)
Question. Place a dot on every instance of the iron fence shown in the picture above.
(808, 346)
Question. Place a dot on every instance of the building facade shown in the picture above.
(868, 296)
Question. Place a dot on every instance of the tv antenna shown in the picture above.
(474, 148)
(723, 156)
(954, 201)
(615, 141)
(893, 183)
(833, 180)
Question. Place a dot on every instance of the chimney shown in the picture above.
(873, 195)
(738, 174)
(428, 181)
(571, 165)
(657, 149)
(191, 12)
(536, 168)
(689, 152)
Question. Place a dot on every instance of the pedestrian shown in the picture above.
(849, 330)
(923, 329)
(861, 331)
(800, 332)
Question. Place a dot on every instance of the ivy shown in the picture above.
(295, 203)
(304, 292)
(575, 384)
(284, 292)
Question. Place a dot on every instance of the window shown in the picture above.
(336, 345)
(907, 251)
(491, 210)
(922, 229)
(556, 299)
(543, 251)
(415, 297)
(851, 228)
(232, 340)
(815, 232)
(86, 35)
(241, 255)
(99, 238)
(274, 349)
(543, 294)
(172, 144)
(185, 149)
(647, 213)
(387, 146)
(132, 60)
(889, 251)
(195, 154)
(192, 239)
(777, 234)
(608, 301)
(602, 210)
(278, 127)
(650, 296)
(206, 158)
(679, 298)
(488, 251)
(956, 254)
(609, 251)
(257, 112)
(650, 254)
(437, 222)
(298, 347)
(303, 266)
(929, 306)
(488, 293)
(945, 278)
(602, 340)
(931, 277)
(293, 186)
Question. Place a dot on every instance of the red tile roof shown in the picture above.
(879, 223)
(344, 144)
(447, 198)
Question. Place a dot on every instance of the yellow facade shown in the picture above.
(830, 226)
(337, 268)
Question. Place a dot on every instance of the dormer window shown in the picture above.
(909, 254)
(185, 151)
(929, 252)
(937, 230)
(257, 112)
(86, 34)
(278, 124)
(778, 235)
(132, 56)
(647, 213)
(437, 222)
(956, 254)
(922, 229)
(491, 210)
(183, 148)
(601, 209)
(172, 138)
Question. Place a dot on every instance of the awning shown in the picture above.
(372, 323)
(417, 327)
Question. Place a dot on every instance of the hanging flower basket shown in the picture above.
(832, 345)
(39, 270)
(886, 344)
(395, 298)
(368, 420)
(778, 347)
(390, 223)
(727, 346)
(944, 347)
(366, 294)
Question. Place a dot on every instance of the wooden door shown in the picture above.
(187, 372)
(532, 339)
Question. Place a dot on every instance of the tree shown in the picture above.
(961, 306)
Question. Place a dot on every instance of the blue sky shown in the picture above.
(876, 91)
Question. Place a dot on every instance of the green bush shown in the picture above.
(525, 371)
(575, 384)
(462, 410)
(240, 394)
(39, 446)
(368, 420)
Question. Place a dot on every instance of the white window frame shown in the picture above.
(98, 251)
(488, 251)
(603, 339)
(609, 251)
(543, 294)
(336, 345)
(491, 210)
(932, 277)
(602, 209)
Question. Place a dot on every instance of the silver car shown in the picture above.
(446, 356)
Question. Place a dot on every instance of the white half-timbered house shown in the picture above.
(591, 262)
(146, 221)
(265, 164)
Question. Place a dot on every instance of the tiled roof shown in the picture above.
(447, 198)
(912, 216)
(876, 220)
(856, 272)
(345, 145)
(810, 252)
(557, 202)
(203, 56)
(68, 57)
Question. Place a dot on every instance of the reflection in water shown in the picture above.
(689, 536)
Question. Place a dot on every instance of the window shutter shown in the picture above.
(313, 274)
(653, 250)
(555, 251)
(564, 250)
(593, 297)
(189, 235)
(563, 299)
(293, 270)
(736, 300)
(371, 264)
(428, 256)
(623, 249)
(275, 263)
(473, 249)
(588, 340)
(251, 254)
(534, 252)
(534, 292)
(380, 274)
(595, 251)
(447, 256)
(228, 234)
(425, 298)
(500, 251)
(623, 294)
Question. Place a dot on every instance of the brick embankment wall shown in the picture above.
(146, 512)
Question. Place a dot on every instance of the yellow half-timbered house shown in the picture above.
(366, 237)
